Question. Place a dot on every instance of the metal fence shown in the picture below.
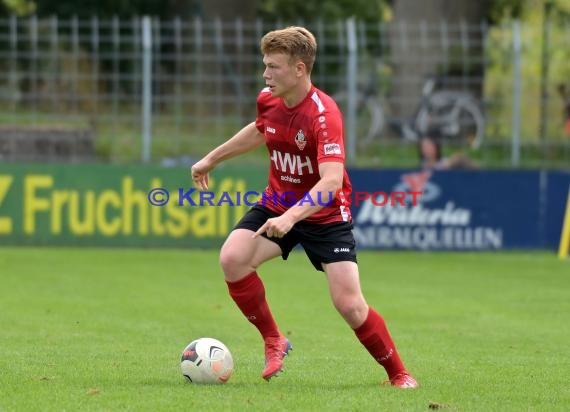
(169, 91)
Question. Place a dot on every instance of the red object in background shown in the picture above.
(567, 128)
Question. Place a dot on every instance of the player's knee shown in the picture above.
(228, 258)
(231, 259)
(352, 309)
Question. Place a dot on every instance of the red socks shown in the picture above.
(375, 337)
(249, 294)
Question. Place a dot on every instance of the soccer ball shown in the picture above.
(207, 360)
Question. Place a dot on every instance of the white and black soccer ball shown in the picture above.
(207, 360)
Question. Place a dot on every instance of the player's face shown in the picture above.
(280, 75)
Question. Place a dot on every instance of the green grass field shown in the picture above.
(96, 329)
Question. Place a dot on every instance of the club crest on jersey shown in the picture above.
(300, 140)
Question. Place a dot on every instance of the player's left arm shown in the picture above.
(323, 193)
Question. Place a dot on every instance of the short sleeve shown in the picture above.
(262, 104)
(330, 139)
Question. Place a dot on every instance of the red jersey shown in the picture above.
(299, 139)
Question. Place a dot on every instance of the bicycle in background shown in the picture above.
(456, 116)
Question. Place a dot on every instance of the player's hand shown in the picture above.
(199, 173)
(275, 227)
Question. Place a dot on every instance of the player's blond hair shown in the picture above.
(297, 42)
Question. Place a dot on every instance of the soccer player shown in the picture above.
(302, 129)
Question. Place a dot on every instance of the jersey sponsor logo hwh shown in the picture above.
(290, 163)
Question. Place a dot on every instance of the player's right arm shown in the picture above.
(247, 139)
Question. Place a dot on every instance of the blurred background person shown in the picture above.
(431, 158)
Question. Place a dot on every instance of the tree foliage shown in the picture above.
(368, 10)
(311, 10)
(270, 10)
(103, 8)
(499, 10)
(526, 10)
(18, 7)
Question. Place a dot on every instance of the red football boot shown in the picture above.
(404, 381)
(275, 350)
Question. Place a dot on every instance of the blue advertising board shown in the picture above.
(458, 210)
